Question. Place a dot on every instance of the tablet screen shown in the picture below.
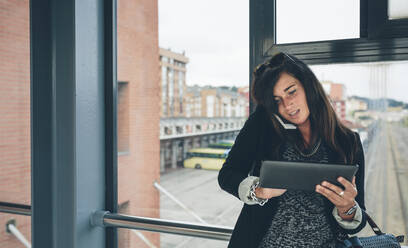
(301, 175)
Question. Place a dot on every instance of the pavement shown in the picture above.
(199, 192)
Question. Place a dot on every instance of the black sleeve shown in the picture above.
(359, 159)
(242, 154)
(360, 173)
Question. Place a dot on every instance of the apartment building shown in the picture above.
(210, 101)
(172, 83)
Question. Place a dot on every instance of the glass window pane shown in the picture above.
(303, 21)
(15, 147)
(175, 241)
(371, 98)
(184, 92)
(188, 96)
(397, 9)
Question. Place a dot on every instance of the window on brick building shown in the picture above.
(164, 85)
(123, 118)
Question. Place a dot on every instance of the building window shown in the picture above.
(210, 106)
(171, 92)
(123, 118)
(181, 90)
(164, 90)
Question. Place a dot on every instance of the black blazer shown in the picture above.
(257, 140)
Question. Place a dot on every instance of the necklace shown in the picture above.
(312, 152)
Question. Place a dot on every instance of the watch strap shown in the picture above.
(351, 210)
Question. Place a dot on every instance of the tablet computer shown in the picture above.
(302, 175)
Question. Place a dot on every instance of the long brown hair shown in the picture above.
(323, 119)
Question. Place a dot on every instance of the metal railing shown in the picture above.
(107, 219)
(12, 229)
(13, 208)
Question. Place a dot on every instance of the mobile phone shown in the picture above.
(285, 125)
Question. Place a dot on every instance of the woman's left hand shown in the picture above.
(342, 199)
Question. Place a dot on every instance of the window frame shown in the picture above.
(64, 36)
(380, 39)
(379, 26)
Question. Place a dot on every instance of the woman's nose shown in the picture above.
(287, 103)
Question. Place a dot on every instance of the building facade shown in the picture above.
(244, 91)
(172, 83)
(209, 101)
(15, 147)
(354, 104)
(193, 101)
(138, 95)
(337, 94)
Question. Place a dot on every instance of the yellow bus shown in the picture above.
(206, 158)
(223, 144)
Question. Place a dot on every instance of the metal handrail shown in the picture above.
(11, 228)
(107, 219)
(14, 208)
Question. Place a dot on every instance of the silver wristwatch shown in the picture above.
(351, 210)
(252, 195)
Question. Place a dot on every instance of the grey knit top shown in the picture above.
(301, 219)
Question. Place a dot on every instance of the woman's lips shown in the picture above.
(294, 114)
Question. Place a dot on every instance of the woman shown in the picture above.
(284, 87)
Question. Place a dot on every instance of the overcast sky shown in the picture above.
(215, 37)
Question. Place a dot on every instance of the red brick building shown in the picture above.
(15, 115)
(138, 69)
(138, 114)
(338, 97)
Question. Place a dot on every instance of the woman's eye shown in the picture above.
(277, 100)
(292, 92)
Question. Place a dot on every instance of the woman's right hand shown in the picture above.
(268, 193)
